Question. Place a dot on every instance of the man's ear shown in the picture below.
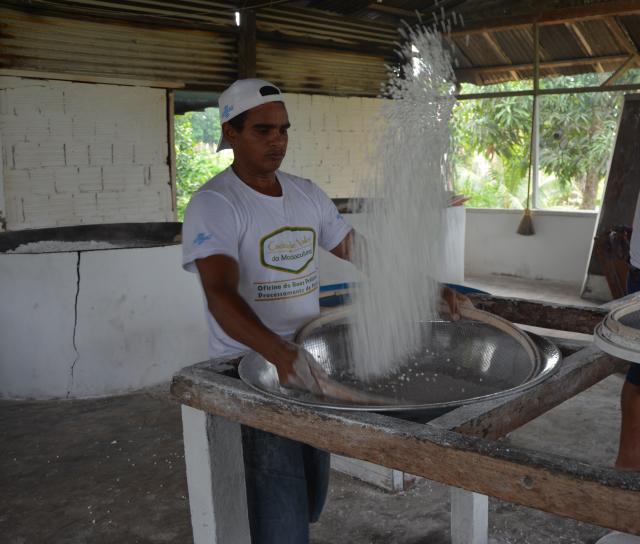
(229, 133)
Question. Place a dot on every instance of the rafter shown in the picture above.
(621, 35)
(583, 43)
(545, 65)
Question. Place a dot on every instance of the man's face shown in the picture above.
(262, 143)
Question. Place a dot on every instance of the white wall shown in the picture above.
(76, 153)
(138, 319)
(331, 140)
(558, 251)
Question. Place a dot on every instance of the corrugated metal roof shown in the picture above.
(302, 69)
(331, 47)
(55, 44)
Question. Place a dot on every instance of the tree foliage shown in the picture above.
(491, 139)
(196, 160)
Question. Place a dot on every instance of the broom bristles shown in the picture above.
(525, 228)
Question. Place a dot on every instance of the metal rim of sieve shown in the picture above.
(532, 343)
(466, 312)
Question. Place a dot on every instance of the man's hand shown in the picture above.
(298, 369)
(454, 301)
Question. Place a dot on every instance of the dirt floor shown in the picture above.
(112, 471)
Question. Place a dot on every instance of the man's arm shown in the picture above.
(220, 276)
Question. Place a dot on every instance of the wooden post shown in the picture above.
(171, 141)
(469, 517)
(215, 478)
(247, 45)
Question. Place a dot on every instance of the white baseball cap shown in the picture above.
(242, 95)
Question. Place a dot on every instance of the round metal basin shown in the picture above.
(461, 362)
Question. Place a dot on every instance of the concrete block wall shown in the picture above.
(75, 153)
(331, 140)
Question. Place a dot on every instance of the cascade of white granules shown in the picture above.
(404, 204)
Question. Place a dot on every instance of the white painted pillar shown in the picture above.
(469, 517)
(215, 476)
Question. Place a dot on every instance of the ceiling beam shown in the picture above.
(584, 44)
(622, 69)
(621, 35)
(545, 65)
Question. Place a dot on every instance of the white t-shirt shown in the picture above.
(275, 241)
(634, 244)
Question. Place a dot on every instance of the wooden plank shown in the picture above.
(565, 90)
(544, 65)
(584, 44)
(552, 483)
(215, 477)
(541, 314)
(171, 141)
(631, 62)
(493, 419)
(247, 45)
(623, 183)
(621, 35)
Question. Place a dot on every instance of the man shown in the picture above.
(252, 233)
(629, 449)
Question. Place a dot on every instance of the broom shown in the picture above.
(526, 223)
(525, 228)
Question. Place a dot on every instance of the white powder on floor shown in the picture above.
(405, 200)
(57, 246)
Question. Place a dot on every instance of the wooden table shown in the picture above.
(459, 448)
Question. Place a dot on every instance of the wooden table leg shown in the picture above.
(215, 476)
(469, 517)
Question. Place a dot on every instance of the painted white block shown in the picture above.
(469, 517)
(49, 125)
(36, 324)
(559, 249)
(140, 318)
(215, 477)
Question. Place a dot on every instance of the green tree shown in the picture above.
(577, 134)
(196, 161)
(576, 140)
(499, 131)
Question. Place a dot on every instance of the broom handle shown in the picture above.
(536, 77)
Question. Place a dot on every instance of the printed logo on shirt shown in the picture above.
(201, 238)
(289, 249)
(291, 288)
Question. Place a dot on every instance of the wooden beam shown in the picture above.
(171, 142)
(583, 43)
(247, 45)
(598, 89)
(553, 17)
(603, 496)
(622, 69)
(561, 63)
(496, 47)
(541, 314)
(621, 35)
(493, 419)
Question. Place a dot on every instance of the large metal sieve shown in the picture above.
(474, 359)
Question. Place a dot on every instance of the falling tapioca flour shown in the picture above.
(404, 204)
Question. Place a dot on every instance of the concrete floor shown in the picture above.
(112, 471)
